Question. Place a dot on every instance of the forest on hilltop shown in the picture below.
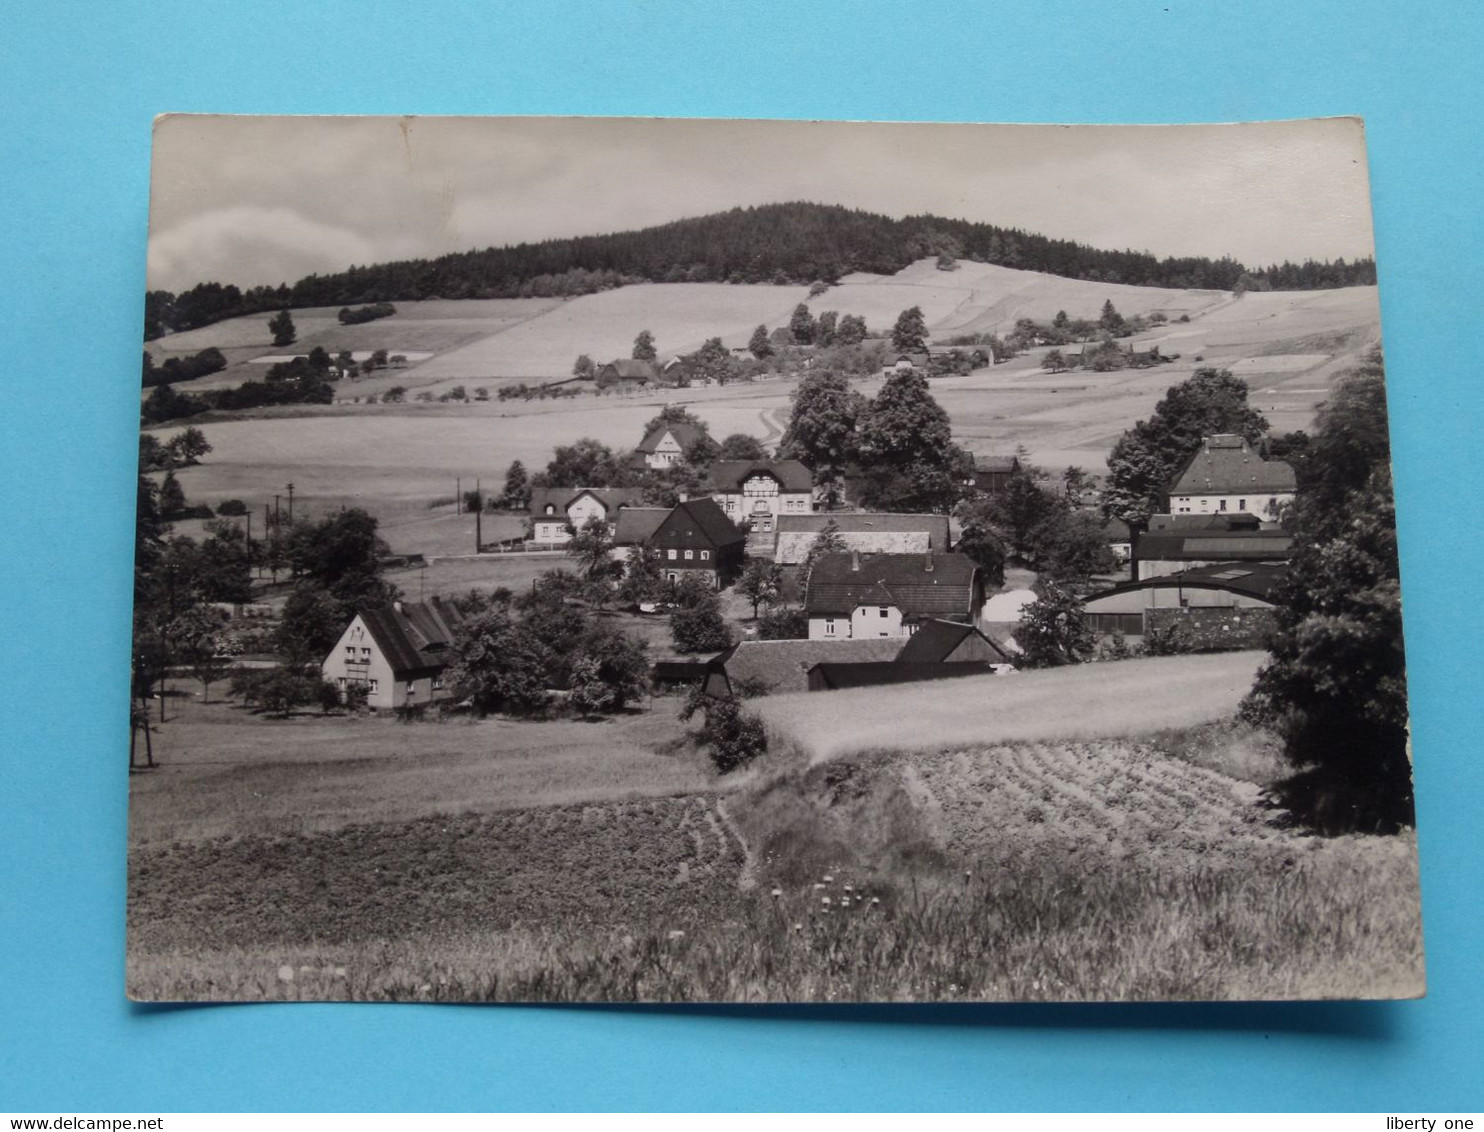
(794, 243)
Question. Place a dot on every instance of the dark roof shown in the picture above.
(936, 639)
(1116, 530)
(1255, 579)
(561, 498)
(1227, 465)
(730, 475)
(632, 369)
(699, 517)
(1213, 545)
(836, 676)
(783, 666)
(996, 463)
(840, 582)
(684, 432)
(1222, 521)
(413, 636)
(637, 524)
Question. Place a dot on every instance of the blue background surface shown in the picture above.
(81, 83)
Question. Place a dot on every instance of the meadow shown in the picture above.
(1090, 701)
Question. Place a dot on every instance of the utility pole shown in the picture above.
(478, 519)
(291, 504)
(276, 498)
(458, 495)
(249, 541)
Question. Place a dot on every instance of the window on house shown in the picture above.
(342, 683)
(437, 683)
(670, 554)
(365, 654)
(350, 651)
(1241, 505)
(550, 510)
(689, 554)
(372, 685)
(883, 611)
(829, 626)
(1223, 505)
(705, 555)
(411, 686)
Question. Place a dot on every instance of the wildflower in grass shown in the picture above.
(817, 887)
(829, 880)
(875, 900)
(825, 901)
(676, 934)
(286, 974)
(848, 888)
(798, 927)
(777, 892)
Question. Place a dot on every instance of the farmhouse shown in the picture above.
(397, 653)
(666, 444)
(1177, 543)
(777, 667)
(1228, 605)
(1226, 475)
(889, 595)
(635, 527)
(626, 369)
(558, 511)
(696, 537)
(760, 491)
(865, 531)
(992, 473)
(904, 360)
(953, 642)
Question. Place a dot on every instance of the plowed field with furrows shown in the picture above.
(667, 860)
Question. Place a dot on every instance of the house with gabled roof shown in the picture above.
(666, 443)
(1176, 543)
(761, 491)
(890, 595)
(630, 370)
(938, 641)
(1226, 475)
(555, 512)
(696, 538)
(397, 652)
(993, 473)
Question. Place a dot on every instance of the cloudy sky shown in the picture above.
(251, 200)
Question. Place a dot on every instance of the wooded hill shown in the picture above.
(777, 243)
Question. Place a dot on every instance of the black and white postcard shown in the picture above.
(677, 560)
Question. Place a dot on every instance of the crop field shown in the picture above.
(1041, 871)
(1108, 700)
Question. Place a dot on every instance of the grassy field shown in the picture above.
(1104, 870)
(1110, 700)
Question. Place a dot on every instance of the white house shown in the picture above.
(666, 443)
(761, 491)
(889, 595)
(558, 511)
(398, 653)
(1227, 476)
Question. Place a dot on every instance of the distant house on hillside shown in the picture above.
(398, 653)
(631, 370)
(889, 595)
(761, 491)
(1227, 605)
(558, 511)
(666, 444)
(696, 537)
(863, 531)
(903, 360)
(992, 473)
(1226, 475)
(1186, 542)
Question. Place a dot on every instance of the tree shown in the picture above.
(610, 670)
(197, 642)
(980, 538)
(1111, 321)
(319, 358)
(735, 739)
(585, 463)
(851, 331)
(909, 335)
(801, 325)
(1053, 630)
(760, 583)
(312, 622)
(741, 446)
(501, 665)
(825, 328)
(172, 496)
(698, 626)
(222, 566)
(643, 579)
(1334, 685)
(187, 448)
(905, 442)
(822, 427)
(283, 688)
(780, 624)
(281, 326)
(395, 395)
(231, 507)
(1147, 457)
(584, 368)
(342, 554)
(1070, 547)
(644, 347)
(517, 493)
(590, 545)
(473, 501)
(1055, 362)
(759, 345)
(1061, 321)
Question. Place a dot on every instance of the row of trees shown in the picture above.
(303, 380)
(208, 361)
(791, 243)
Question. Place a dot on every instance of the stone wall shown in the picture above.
(1212, 630)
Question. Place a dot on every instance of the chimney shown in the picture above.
(927, 562)
(397, 605)
(855, 562)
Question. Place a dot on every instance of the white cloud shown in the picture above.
(250, 245)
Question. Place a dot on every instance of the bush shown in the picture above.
(735, 739)
(231, 507)
(328, 696)
(783, 625)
